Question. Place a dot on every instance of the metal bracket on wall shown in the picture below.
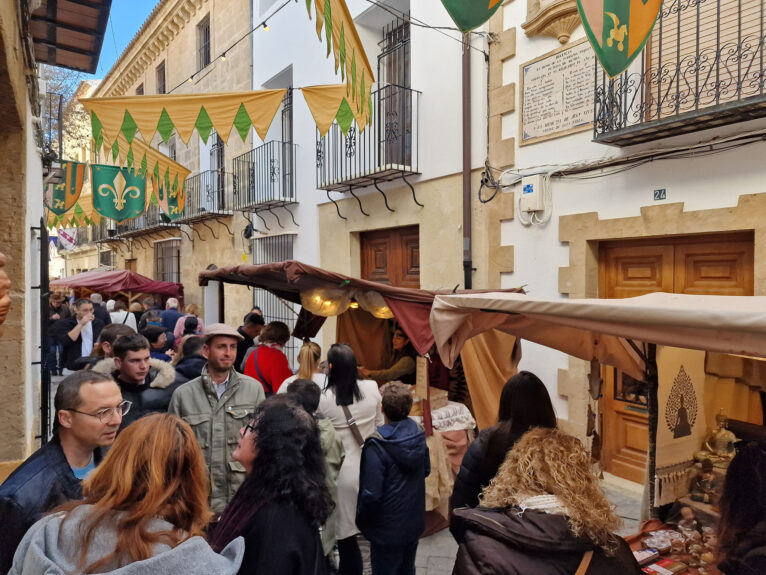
(225, 225)
(358, 201)
(414, 197)
(337, 208)
(276, 217)
(184, 232)
(291, 215)
(212, 231)
(265, 225)
(196, 231)
(385, 198)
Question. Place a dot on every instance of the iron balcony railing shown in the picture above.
(265, 177)
(104, 231)
(386, 149)
(209, 194)
(150, 221)
(702, 67)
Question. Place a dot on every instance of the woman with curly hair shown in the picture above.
(742, 529)
(543, 513)
(524, 404)
(144, 511)
(284, 499)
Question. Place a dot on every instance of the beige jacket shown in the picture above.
(216, 423)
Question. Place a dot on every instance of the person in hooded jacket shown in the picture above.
(390, 510)
(742, 529)
(146, 382)
(524, 404)
(190, 361)
(144, 512)
(543, 513)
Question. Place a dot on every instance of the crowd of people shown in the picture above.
(183, 448)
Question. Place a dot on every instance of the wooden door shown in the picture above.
(392, 256)
(711, 265)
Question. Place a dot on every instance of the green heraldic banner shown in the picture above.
(118, 193)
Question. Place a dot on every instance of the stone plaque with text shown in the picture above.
(557, 93)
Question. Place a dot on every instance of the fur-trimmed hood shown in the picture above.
(161, 373)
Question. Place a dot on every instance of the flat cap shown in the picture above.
(217, 329)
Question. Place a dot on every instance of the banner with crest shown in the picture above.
(60, 198)
(118, 193)
(618, 29)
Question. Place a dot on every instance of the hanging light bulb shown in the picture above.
(190, 80)
(266, 26)
(223, 57)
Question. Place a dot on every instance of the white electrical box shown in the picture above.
(532, 194)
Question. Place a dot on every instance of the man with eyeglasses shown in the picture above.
(216, 405)
(88, 412)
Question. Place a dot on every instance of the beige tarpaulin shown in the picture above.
(598, 328)
(488, 362)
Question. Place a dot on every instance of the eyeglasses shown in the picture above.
(108, 413)
(249, 426)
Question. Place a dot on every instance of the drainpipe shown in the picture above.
(467, 259)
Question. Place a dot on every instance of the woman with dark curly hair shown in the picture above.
(284, 499)
(742, 529)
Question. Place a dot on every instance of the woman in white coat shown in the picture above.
(362, 398)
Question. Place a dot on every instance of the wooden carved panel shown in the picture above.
(724, 268)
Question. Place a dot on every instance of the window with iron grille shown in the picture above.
(106, 259)
(161, 78)
(269, 250)
(395, 104)
(203, 43)
(140, 90)
(167, 260)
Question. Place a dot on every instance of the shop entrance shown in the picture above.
(716, 264)
(392, 256)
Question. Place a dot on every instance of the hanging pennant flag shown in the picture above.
(118, 193)
(68, 238)
(618, 30)
(171, 197)
(61, 197)
(470, 14)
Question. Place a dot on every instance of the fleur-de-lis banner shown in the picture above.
(618, 30)
(118, 193)
(61, 197)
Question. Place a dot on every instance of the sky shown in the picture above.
(125, 18)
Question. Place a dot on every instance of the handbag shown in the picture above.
(583, 567)
(352, 425)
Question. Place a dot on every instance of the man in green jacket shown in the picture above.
(216, 405)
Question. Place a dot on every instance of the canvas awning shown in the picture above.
(599, 328)
(291, 279)
(119, 281)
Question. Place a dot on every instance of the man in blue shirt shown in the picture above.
(89, 409)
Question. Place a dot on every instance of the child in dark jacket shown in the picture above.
(390, 509)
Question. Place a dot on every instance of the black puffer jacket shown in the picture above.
(151, 397)
(390, 507)
(749, 557)
(511, 542)
(44, 481)
(191, 366)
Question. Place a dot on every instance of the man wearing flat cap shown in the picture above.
(216, 405)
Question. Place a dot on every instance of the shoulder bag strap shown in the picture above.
(126, 317)
(584, 563)
(352, 425)
(264, 381)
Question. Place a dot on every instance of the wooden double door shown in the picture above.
(707, 265)
(392, 256)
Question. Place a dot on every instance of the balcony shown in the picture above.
(265, 177)
(703, 67)
(106, 231)
(387, 149)
(151, 221)
(209, 195)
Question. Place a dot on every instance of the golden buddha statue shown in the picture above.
(719, 446)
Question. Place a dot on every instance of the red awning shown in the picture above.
(119, 281)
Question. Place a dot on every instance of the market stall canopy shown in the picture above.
(119, 281)
(599, 328)
(325, 293)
